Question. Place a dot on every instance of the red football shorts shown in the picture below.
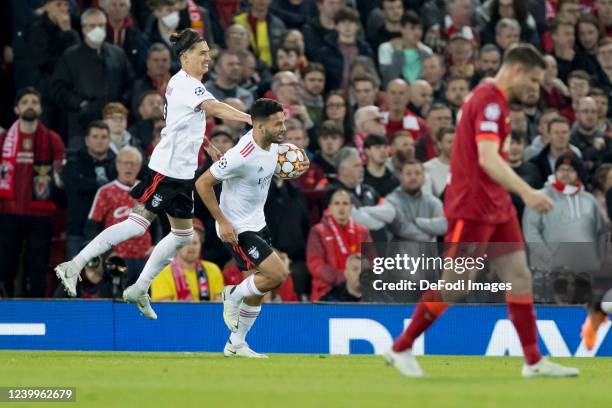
(505, 237)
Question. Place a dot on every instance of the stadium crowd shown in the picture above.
(371, 90)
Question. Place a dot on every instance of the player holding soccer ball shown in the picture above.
(246, 171)
(479, 209)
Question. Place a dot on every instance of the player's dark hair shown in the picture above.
(375, 140)
(410, 17)
(28, 90)
(263, 108)
(525, 54)
(558, 119)
(444, 131)
(96, 124)
(184, 41)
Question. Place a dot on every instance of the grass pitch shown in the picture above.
(108, 379)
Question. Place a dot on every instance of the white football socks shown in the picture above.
(248, 315)
(133, 226)
(246, 288)
(162, 255)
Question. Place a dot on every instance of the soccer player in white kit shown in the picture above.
(169, 186)
(246, 171)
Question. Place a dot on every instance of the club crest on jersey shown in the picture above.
(157, 199)
(199, 91)
(492, 111)
(223, 162)
(253, 252)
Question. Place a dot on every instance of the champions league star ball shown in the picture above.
(289, 162)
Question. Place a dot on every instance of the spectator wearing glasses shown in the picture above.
(587, 135)
(116, 116)
(368, 121)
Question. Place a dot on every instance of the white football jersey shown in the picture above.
(246, 171)
(176, 155)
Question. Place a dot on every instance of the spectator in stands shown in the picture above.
(265, 30)
(564, 40)
(116, 115)
(364, 91)
(438, 168)
(555, 92)
(442, 23)
(237, 127)
(402, 149)
(528, 171)
(124, 33)
(603, 10)
(296, 134)
(603, 78)
(112, 204)
(332, 242)
(157, 75)
(518, 119)
(377, 174)
(399, 116)
(411, 213)
(223, 138)
(294, 39)
(330, 138)
(350, 289)
(579, 87)
(543, 138)
(312, 95)
(285, 87)
(587, 32)
(492, 12)
(507, 32)
(487, 63)
(602, 182)
(90, 75)
(421, 97)
(368, 120)
(150, 111)
(559, 136)
(30, 163)
(189, 278)
(402, 57)
(587, 136)
(456, 90)
(392, 13)
(350, 173)
(287, 58)
(293, 13)
(439, 116)
(569, 10)
(602, 101)
(255, 74)
(575, 216)
(192, 15)
(461, 53)
(254, 69)
(341, 48)
(336, 109)
(48, 38)
(286, 215)
(320, 26)
(89, 169)
(433, 72)
(228, 74)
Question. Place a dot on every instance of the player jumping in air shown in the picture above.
(246, 171)
(479, 209)
(169, 185)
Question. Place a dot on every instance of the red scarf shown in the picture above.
(119, 35)
(568, 189)
(346, 239)
(180, 281)
(226, 10)
(40, 166)
(195, 17)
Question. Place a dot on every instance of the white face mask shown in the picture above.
(171, 20)
(97, 35)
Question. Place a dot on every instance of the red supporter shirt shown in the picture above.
(112, 205)
(471, 193)
(410, 122)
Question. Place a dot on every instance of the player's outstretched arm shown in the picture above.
(204, 186)
(500, 171)
(222, 110)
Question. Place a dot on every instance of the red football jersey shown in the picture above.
(112, 205)
(471, 194)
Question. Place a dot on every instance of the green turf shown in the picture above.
(290, 381)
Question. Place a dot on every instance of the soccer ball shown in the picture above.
(289, 162)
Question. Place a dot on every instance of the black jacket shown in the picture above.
(83, 176)
(287, 219)
(135, 46)
(530, 173)
(83, 74)
(543, 165)
(314, 37)
(332, 58)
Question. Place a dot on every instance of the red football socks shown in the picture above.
(522, 315)
(427, 311)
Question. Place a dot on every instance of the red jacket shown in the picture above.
(321, 258)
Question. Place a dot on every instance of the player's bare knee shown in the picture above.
(182, 237)
(141, 211)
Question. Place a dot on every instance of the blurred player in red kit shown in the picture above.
(479, 210)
